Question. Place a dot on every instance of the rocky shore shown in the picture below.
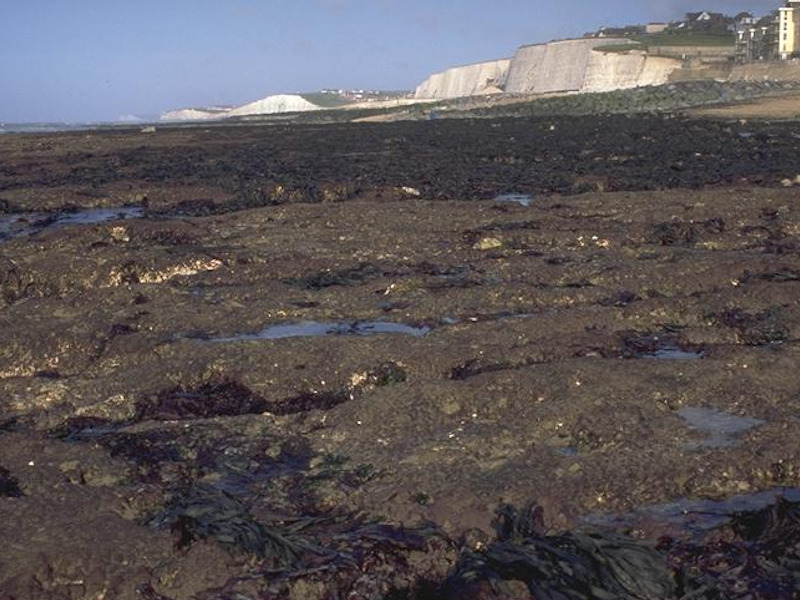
(493, 358)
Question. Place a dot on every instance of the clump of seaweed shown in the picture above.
(84, 428)
(150, 452)
(358, 560)
(675, 233)
(204, 512)
(220, 399)
(231, 399)
(385, 374)
(9, 485)
(306, 401)
(477, 366)
(388, 373)
(620, 299)
(757, 558)
(343, 277)
(683, 233)
(578, 565)
(759, 329)
(146, 591)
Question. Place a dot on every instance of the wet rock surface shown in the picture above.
(286, 397)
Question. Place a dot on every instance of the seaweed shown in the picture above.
(81, 429)
(385, 374)
(577, 565)
(471, 236)
(782, 276)
(150, 451)
(10, 423)
(388, 373)
(360, 560)
(759, 559)
(306, 401)
(621, 299)
(673, 233)
(204, 512)
(222, 399)
(9, 485)
(475, 367)
(479, 366)
(759, 329)
(344, 277)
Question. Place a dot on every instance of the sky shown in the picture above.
(103, 60)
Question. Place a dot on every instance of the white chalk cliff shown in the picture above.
(557, 67)
(194, 114)
(280, 103)
(470, 80)
(609, 71)
(580, 65)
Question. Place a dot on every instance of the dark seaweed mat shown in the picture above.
(757, 558)
(204, 512)
(9, 485)
(540, 155)
(578, 565)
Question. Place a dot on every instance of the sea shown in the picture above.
(54, 127)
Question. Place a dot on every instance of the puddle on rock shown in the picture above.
(22, 224)
(521, 199)
(568, 451)
(657, 347)
(720, 427)
(316, 329)
(676, 353)
(694, 516)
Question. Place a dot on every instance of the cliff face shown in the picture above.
(281, 103)
(194, 114)
(557, 67)
(270, 105)
(471, 80)
(608, 71)
(553, 67)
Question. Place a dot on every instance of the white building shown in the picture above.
(789, 30)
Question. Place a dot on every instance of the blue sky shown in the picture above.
(86, 60)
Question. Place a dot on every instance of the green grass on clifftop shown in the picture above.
(620, 48)
(685, 39)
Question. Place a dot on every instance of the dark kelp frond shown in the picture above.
(204, 512)
(579, 565)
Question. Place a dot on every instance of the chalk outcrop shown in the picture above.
(195, 114)
(554, 67)
(609, 71)
(470, 80)
(282, 103)
(557, 67)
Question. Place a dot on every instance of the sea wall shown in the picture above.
(469, 80)
(707, 53)
(788, 70)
